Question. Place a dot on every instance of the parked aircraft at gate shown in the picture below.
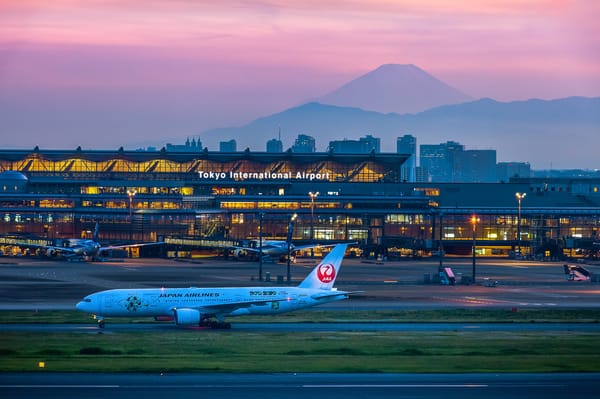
(277, 249)
(77, 248)
(273, 248)
(198, 306)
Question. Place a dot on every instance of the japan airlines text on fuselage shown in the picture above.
(196, 306)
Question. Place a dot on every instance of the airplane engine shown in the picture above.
(240, 253)
(51, 253)
(187, 317)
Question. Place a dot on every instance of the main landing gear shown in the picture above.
(216, 325)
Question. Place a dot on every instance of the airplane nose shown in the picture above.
(84, 306)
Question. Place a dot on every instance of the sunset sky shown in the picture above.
(117, 72)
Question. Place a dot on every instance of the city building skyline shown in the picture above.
(443, 162)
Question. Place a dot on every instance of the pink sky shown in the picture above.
(232, 61)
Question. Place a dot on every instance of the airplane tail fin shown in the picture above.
(324, 274)
(96, 237)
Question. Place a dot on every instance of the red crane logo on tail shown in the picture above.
(326, 273)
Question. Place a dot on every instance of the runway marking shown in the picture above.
(335, 386)
(469, 300)
(60, 386)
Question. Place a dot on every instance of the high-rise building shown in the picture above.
(439, 160)
(407, 144)
(228, 146)
(363, 145)
(449, 162)
(274, 145)
(476, 166)
(507, 170)
(189, 146)
(371, 143)
(304, 144)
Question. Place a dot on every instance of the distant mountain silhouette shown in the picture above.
(543, 132)
(395, 88)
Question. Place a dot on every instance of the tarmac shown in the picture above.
(32, 283)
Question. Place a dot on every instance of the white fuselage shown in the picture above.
(158, 302)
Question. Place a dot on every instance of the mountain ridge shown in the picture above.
(514, 127)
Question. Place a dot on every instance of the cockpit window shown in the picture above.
(87, 300)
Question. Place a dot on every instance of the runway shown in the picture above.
(310, 327)
(301, 386)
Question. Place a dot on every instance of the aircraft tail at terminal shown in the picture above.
(198, 306)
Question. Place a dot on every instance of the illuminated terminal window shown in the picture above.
(98, 204)
(404, 219)
(238, 205)
(56, 203)
(92, 190)
(237, 218)
(115, 204)
(277, 205)
(224, 191)
(428, 191)
(164, 205)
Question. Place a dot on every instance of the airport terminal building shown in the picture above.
(206, 199)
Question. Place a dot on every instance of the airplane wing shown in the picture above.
(329, 294)
(230, 307)
(249, 249)
(308, 246)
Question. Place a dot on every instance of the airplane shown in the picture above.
(272, 248)
(199, 306)
(78, 248)
(276, 249)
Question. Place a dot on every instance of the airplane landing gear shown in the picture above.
(216, 325)
(100, 323)
(222, 326)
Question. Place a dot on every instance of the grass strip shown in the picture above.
(230, 351)
(420, 316)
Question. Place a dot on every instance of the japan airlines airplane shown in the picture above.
(198, 306)
(77, 248)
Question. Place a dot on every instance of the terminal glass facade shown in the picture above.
(212, 197)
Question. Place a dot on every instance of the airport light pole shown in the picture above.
(474, 221)
(131, 192)
(289, 246)
(260, 246)
(441, 245)
(519, 196)
(312, 217)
